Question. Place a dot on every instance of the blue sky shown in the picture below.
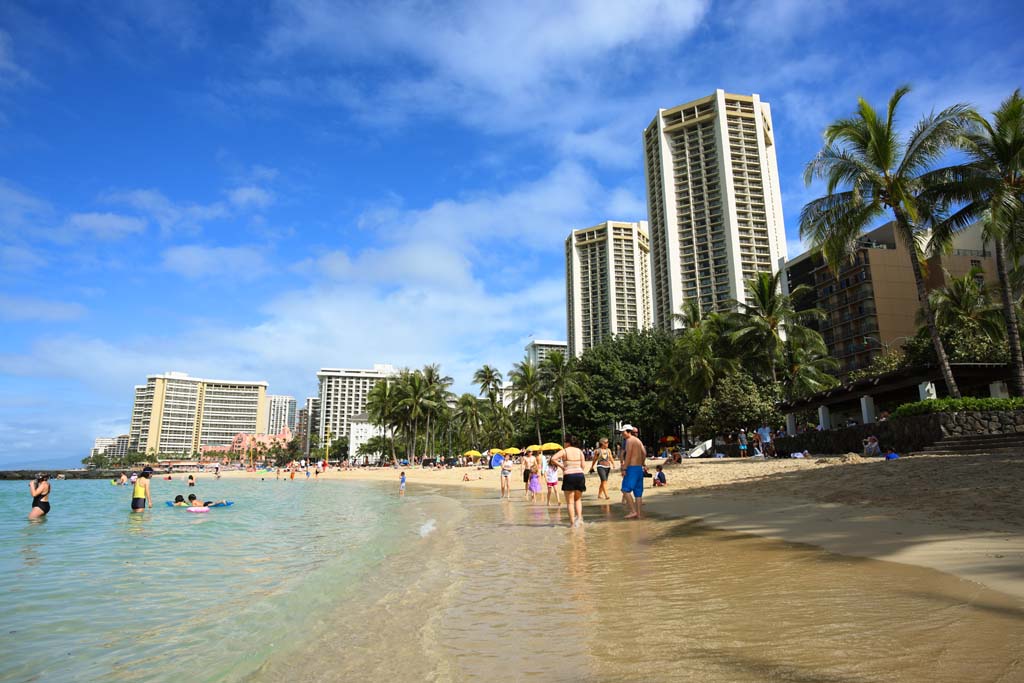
(257, 190)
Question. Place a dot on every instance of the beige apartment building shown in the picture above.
(608, 282)
(175, 413)
(871, 304)
(714, 204)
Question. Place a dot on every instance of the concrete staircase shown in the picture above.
(985, 444)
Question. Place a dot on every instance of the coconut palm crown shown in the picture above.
(881, 174)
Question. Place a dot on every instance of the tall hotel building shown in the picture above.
(538, 350)
(343, 395)
(713, 198)
(175, 413)
(281, 413)
(608, 284)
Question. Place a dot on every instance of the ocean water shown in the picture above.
(95, 592)
(327, 581)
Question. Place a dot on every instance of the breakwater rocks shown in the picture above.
(67, 474)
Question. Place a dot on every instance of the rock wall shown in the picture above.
(906, 434)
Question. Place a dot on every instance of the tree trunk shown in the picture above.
(561, 412)
(933, 329)
(427, 445)
(537, 416)
(1012, 326)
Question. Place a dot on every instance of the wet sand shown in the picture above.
(963, 515)
(502, 590)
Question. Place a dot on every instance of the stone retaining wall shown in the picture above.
(906, 434)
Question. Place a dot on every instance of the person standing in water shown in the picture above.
(528, 462)
(604, 461)
(140, 491)
(506, 478)
(40, 490)
(570, 460)
(633, 481)
(401, 484)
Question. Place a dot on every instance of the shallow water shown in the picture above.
(318, 581)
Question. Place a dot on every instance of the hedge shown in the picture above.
(958, 405)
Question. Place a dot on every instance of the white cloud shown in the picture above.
(20, 258)
(105, 226)
(231, 263)
(10, 73)
(31, 308)
(20, 212)
(250, 196)
(172, 217)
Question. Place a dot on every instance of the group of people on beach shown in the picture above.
(571, 463)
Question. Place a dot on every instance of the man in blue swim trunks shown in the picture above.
(633, 478)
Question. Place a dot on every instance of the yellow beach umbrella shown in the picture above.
(551, 446)
(512, 451)
(472, 454)
(530, 449)
(494, 451)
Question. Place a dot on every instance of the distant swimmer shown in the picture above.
(191, 480)
(179, 501)
(123, 480)
(140, 492)
(40, 490)
(195, 502)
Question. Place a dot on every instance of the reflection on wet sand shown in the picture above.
(521, 597)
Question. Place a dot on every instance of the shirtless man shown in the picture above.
(528, 462)
(633, 479)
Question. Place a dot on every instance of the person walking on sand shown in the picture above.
(552, 481)
(633, 481)
(506, 478)
(570, 460)
(141, 498)
(40, 490)
(604, 461)
(401, 484)
(528, 463)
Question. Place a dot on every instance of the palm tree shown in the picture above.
(437, 390)
(808, 366)
(559, 377)
(527, 390)
(690, 314)
(884, 174)
(762, 322)
(991, 185)
(467, 413)
(697, 361)
(489, 380)
(381, 404)
(965, 302)
(417, 402)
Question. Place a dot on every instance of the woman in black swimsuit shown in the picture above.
(40, 490)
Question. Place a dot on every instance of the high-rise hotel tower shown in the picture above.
(607, 279)
(714, 205)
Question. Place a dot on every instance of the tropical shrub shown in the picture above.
(954, 405)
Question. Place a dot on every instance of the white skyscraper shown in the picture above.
(608, 282)
(714, 205)
(343, 394)
(539, 349)
(281, 412)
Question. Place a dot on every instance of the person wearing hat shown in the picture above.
(633, 479)
(140, 492)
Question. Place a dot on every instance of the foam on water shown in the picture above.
(427, 528)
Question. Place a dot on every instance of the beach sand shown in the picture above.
(957, 514)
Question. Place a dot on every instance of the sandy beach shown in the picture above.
(956, 514)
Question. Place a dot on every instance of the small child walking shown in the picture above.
(534, 486)
(401, 484)
(552, 480)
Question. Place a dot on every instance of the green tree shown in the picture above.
(468, 416)
(381, 407)
(698, 359)
(488, 378)
(883, 173)
(991, 187)
(738, 402)
(965, 301)
(417, 402)
(808, 367)
(527, 391)
(559, 377)
(436, 400)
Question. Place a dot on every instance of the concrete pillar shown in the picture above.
(867, 409)
(791, 424)
(998, 390)
(824, 419)
(926, 390)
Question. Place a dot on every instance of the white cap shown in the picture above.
(628, 428)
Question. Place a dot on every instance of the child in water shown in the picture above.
(534, 486)
(401, 484)
(179, 501)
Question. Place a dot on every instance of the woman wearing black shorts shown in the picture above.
(574, 481)
(604, 460)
